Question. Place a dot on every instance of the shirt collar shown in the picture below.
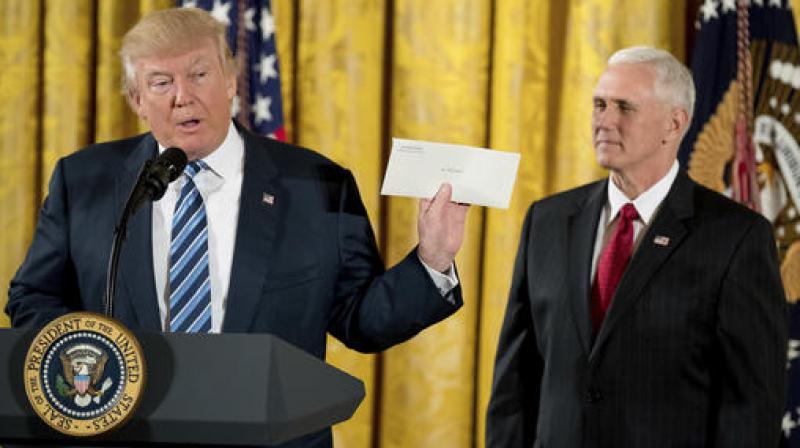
(646, 203)
(228, 159)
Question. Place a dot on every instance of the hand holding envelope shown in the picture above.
(457, 175)
(441, 229)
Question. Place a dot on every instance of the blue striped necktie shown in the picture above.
(189, 281)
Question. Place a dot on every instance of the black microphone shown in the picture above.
(163, 170)
(154, 177)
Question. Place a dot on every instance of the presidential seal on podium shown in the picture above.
(84, 374)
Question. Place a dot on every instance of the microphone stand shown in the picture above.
(135, 199)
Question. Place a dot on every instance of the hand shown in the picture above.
(441, 228)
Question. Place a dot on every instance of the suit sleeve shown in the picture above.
(752, 335)
(44, 287)
(373, 309)
(512, 414)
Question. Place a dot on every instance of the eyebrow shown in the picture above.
(156, 73)
(617, 101)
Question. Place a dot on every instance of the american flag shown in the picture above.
(251, 36)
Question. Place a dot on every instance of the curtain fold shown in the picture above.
(113, 118)
(339, 71)
(439, 93)
(68, 80)
(524, 75)
(20, 57)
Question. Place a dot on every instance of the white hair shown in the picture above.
(673, 82)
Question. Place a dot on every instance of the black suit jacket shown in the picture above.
(692, 352)
(303, 266)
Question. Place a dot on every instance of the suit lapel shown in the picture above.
(260, 208)
(136, 260)
(580, 249)
(650, 255)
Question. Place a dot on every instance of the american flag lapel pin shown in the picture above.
(661, 240)
(267, 199)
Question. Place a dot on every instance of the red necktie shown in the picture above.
(612, 263)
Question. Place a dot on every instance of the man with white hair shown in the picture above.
(645, 310)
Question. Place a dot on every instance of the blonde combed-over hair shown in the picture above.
(171, 32)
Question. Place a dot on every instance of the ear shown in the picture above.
(676, 125)
(230, 86)
(135, 101)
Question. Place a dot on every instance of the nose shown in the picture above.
(606, 118)
(184, 95)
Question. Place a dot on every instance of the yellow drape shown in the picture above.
(514, 75)
(525, 76)
(339, 87)
(60, 90)
(21, 57)
(439, 93)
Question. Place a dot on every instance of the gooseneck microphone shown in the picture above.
(154, 177)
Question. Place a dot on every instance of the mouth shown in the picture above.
(189, 124)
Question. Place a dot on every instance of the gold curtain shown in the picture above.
(60, 90)
(513, 75)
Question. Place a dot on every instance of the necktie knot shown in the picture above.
(194, 167)
(629, 212)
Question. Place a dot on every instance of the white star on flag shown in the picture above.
(221, 12)
(249, 24)
(266, 68)
(261, 109)
(709, 10)
(787, 424)
(267, 24)
(775, 3)
(728, 5)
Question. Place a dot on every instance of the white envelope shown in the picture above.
(478, 176)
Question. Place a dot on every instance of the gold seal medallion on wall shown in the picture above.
(84, 374)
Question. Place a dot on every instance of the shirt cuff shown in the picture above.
(445, 281)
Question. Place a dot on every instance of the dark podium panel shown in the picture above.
(223, 389)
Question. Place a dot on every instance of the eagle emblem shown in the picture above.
(83, 366)
(84, 374)
(776, 136)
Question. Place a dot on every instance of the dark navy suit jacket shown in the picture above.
(692, 352)
(305, 265)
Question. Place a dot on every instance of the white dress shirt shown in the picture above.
(647, 204)
(221, 188)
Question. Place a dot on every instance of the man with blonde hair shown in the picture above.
(645, 310)
(255, 236)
